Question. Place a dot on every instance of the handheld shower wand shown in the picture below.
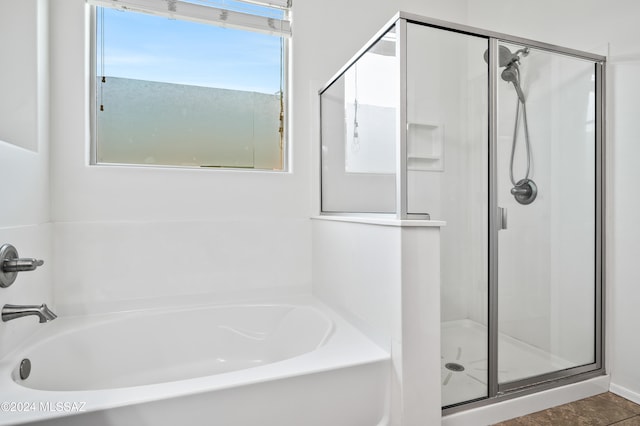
(512, 74)
(524, 190)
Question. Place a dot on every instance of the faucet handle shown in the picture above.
(11, 264)
(19, 265)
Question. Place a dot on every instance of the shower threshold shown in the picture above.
(464, 361)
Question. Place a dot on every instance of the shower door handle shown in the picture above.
(502, 218)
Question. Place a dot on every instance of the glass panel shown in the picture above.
(359, 133)
(546, 182)
(447, 162)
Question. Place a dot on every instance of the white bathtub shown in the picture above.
(294, 363)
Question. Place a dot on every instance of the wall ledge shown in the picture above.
(382, 220)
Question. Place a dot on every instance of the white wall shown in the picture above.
(623, 293)
(385, 280)
(24, 157)
(257, 222)
(129, 233)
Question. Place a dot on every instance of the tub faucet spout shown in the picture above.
(11, 312)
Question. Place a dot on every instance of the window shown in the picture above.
(198, 83)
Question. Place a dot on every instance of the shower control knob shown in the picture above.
(11, 264)
(521, 190)
(20, 265)
(525, 191)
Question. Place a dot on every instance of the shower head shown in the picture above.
(512, 74)
(505, 57)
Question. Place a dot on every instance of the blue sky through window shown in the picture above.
(146, 47)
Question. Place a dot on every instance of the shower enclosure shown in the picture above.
(502, 138)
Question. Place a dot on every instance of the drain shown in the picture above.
(453, 366)
(25, 368)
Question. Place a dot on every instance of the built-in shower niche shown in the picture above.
(425, 150)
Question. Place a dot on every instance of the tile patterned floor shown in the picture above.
(600, 410)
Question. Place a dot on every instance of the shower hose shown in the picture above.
(515, 139)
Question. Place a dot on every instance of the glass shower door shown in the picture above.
(546, 197)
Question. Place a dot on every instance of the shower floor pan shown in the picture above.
(464, 361)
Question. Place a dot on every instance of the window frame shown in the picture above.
(92, 160)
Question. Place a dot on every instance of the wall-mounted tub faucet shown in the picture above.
(11, 312)
(11, 264)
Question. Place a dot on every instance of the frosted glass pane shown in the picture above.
(146, 122)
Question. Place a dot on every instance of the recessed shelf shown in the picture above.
(425, 147)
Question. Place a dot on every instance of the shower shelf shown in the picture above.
(425, 150)
(423, 163)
